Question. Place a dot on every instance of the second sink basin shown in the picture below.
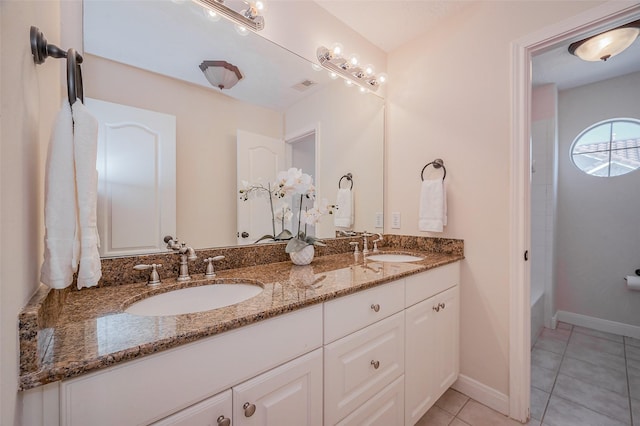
(194, 299)
(391, 257)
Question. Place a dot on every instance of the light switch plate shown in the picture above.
(379, 220)
(395, 220)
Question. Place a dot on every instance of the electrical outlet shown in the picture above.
(395, 220)
(379, 220)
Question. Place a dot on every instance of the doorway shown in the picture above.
(610, 14)
(301, 154)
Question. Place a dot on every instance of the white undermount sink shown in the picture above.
(194, 299)
(391, 257)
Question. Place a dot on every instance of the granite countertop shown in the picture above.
(91, 331)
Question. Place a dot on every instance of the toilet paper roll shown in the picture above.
(633, 282)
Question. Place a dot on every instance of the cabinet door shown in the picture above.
(432, 334)
(288, 395)
(420, 359)
(447, 339)
(215, 411)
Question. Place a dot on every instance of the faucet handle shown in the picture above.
(355, 243)
(210, 273)
(154, 277)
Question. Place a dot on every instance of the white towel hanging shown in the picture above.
(85, 139)
(60, 211)
(344, 214)
(432, 216)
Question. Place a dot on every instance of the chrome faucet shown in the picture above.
(186, 253)
(376, 241)
(365, 244)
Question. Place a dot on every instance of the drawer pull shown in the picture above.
(375, 307)
(224, 421)
(436, 308)
(249, 409)
(376, 364)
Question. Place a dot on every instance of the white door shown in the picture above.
(288, 395)
(136, 178)
(211, 411)
(260, 158)
(447, 339)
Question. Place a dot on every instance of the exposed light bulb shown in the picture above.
(348, 83)
(333, 75)
(337, 49)
(211, 15)
(354, 59)
(242, 30)
(316, 67)
(369, 70)
(382, 78)
(362, 90)
(260, 5)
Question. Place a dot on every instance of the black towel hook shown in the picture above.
(41, 50)
(348, 177)
(437, 163)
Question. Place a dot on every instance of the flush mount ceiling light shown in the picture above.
(349, 68)
(249, 18)
(606, 45)
(221, 74)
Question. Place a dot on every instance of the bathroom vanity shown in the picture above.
(337, 342)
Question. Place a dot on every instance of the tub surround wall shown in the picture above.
(65, 333)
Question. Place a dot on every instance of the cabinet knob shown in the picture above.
(375, 307)
(442, 305)
(224, 421)
(436, 308)
(376, 364)
(249, 409)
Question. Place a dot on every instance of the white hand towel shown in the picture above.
(344, 214)
(60, 216)
(432, 216)
(85, 140)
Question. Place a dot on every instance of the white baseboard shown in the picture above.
(599, 324)
(482, 393)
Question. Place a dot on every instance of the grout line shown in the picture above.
(626, 371)
(555, 379)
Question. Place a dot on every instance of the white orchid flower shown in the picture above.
(283, 212)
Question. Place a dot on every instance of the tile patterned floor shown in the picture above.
(579, 377)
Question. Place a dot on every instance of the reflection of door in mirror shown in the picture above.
(301, 154)
(136, 178)
(260, 158)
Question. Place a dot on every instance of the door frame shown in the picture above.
(589, 22)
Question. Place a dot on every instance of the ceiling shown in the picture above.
(412, 18)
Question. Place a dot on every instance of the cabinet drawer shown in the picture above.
(422, 286)
(360, 365)
(351, 313)
(384, 409)
(205, 413)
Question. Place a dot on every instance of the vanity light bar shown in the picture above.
(255, 23)
(341, 66)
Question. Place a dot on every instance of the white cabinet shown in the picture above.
(288, 395)
(149, 389)
(360, 365)
(431, 356)
(214, 411)
(384, 409)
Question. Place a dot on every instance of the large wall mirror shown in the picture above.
(146, 55)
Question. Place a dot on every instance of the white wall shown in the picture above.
(449, 98)
(598, 231)
(31, 96)
(543, 202)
